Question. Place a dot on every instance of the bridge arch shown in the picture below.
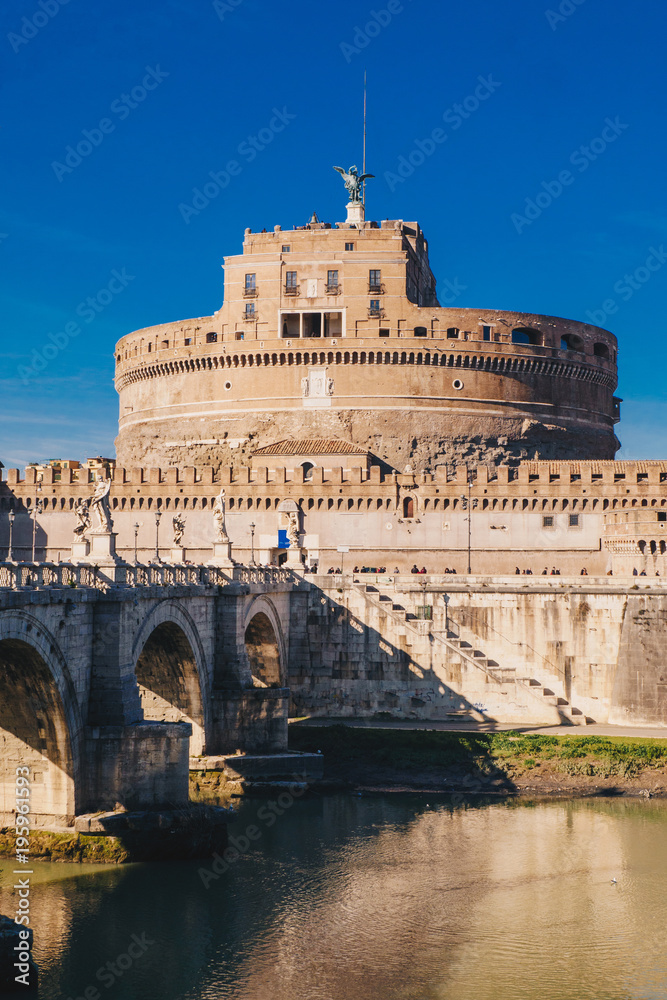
(265, 644)
(40, 722)
(170, 667)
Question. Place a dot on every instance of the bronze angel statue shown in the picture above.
(353, 182)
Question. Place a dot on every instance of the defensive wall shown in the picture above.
(597, 515)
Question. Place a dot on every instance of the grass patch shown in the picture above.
(505, 752)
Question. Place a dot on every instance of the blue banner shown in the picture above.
(283, 540)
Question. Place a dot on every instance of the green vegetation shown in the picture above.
(47, 846)
(502, 756)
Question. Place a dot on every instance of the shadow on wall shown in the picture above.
(381, 679)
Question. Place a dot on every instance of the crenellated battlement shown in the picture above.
(592, 483)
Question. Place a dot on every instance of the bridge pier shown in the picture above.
(142, 766)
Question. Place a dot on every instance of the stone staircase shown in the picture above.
(453, 641)
(570, 714)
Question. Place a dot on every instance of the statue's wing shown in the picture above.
(340, 170)
(365, 177)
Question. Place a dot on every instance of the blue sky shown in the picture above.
(571, 86)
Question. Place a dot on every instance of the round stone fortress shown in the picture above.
(336, 332)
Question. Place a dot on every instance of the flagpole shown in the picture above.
(364, 164)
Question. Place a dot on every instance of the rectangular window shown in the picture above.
(574, 520)
(250, 308)
(374, 280)
(548, 521)
(238, 335)
(486, 333)
(290, 279)
(453, 333)
(286, 249)
(384, 333)
(349, 246)
(188, 341)
(375, 305)
(332, 279)
(211, 338)
(662, 515)
(250, 283)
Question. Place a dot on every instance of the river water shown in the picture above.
(395, 897)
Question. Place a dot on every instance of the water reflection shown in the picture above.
(388, 897)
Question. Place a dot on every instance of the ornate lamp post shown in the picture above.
(468, 505)
(136, 536)
(158, 518)
(10, 518)
(252, 543)
(37, 509)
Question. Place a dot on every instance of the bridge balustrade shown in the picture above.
(15, 576)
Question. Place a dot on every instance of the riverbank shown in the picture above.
(499, 763)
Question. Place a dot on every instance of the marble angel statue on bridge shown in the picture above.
(99, 506)
(219, 517)
(178, 524)
(82, 512)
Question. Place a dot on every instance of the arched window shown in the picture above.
(453, 333)
(524, 335)
(601, 351)
(408, 507)
(307, 471)
(571, 343)
(421, 331)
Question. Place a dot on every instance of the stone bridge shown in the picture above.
(107, 690)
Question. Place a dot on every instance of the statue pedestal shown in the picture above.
(80, 550)
(294, 557)
(222, 555)
(356, 213)
(103, 548)
(177, 555)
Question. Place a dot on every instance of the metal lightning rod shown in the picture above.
(364, 164)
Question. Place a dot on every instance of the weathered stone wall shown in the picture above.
(640, 682)
(550, 653)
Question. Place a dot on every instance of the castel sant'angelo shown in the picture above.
(340, 406)
(336, 332)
